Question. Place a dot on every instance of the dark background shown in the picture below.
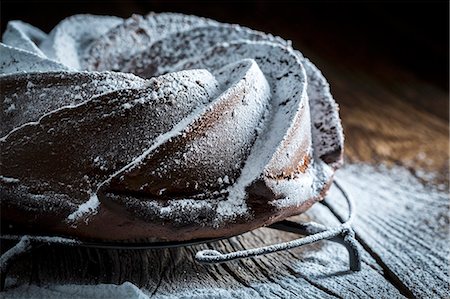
(413, 36)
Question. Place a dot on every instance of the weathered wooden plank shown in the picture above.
(404, 224)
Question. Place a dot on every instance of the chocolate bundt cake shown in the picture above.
(160, 127)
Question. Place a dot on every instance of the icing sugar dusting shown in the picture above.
(243, 75)
(24, 36)
(15, 60)
(112, 50)
(73, 291)
(69, 38)
(89, 207)
(302, 186)
(36, 96)
(9, 180)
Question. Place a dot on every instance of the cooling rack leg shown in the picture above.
(8, 258)
(348, 236)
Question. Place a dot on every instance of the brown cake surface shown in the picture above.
(160, 127)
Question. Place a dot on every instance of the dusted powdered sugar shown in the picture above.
(134, 35)
(72, 35)
(35, 96)
(15, 60)
(24, 36)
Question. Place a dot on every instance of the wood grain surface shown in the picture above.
(388, 119)
(402, 227)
